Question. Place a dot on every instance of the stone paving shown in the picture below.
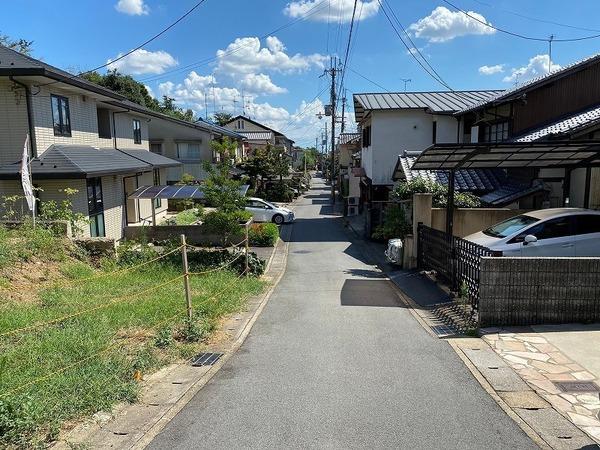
(541, 364)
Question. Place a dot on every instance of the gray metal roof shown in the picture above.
(535, 82)
(80, 161)
(466, 180)
(257, 135)
(347, 138)
(572, 124)
(436, 102)
(17, 64)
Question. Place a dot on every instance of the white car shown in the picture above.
(555, 232)
(263, 211)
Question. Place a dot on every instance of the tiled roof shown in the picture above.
(257, 135)
(535, 82)
(466, 180)
(571, 124)
(81, 161)
(437, 102)
(347, 138)
(510, 193)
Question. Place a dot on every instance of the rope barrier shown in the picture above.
(233, 246)
(96, 308)
(216, 269)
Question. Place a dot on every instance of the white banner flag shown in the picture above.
(26, 177)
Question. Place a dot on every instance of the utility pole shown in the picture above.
(343, 113)
(333, 72)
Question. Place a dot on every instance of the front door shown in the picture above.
(132, 205)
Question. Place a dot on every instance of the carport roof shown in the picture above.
(176, 191)
(559, 154)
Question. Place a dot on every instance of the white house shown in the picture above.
(392, 123)
(84, 137)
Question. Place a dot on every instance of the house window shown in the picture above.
(216, 157)
(95, 207)
(366, 136)
(137, 132)
(104, 123)
(188, 150)
(156, 147)
(240, 124)
(156, 176)
(61, 119)
(497, 132)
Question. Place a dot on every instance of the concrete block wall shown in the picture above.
(534, 291)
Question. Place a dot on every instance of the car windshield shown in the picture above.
(510, 226)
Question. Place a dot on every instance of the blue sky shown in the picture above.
(215, 55)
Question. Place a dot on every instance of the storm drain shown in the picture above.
(206, 359)
(577, 386)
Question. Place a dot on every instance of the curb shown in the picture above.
(196, 387)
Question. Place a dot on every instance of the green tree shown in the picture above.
(219, 188)
(222, 118)
(21, 45)
(169, 108)
(310, 156)
(405, 191)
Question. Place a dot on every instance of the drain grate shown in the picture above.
(577, 386)
(206, 359)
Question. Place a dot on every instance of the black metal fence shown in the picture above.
(455, 260)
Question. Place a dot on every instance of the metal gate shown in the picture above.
(456, 260)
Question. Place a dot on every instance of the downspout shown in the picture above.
(32, 140)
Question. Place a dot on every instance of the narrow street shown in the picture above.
(336, 361)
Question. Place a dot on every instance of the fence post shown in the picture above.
(186, 277)
(247, 246)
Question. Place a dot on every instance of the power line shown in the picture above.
(314, 10)
(367, 79)
(348, 46)
(143, 44)
(512, 33)
(536, 19)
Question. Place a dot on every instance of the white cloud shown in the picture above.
(245, 55)
(335, 11)
(538, 65)
(260, 84)
(491, 70)
(144, 62)
(444, 25)
(132, 7)
(150, 91)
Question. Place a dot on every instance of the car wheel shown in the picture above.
(278, 219)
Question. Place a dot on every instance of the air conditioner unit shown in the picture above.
(353, 201)
(352, 210)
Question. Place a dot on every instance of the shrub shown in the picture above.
(131, 253)
(187, 217)
(225, 223)
(394, 225)
(263, 234)
(280, 192)
(405, 191)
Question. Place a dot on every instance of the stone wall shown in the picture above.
(533, 291)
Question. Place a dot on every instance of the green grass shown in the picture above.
(134, 325)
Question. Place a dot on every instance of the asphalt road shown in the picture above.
(335, 361)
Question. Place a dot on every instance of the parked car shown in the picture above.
(546, 232)
(263, 211)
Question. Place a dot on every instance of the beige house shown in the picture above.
(258, 135)
(82, 137)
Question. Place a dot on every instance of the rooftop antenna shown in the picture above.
(550, 39)
(406, 81)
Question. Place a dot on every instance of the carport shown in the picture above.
(174, 192)
(567, 155)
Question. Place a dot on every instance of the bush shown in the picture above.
(263, 234)
(405, 191)
(201, 260)
(394, 225)
(132, 253)
(279, 192)
(226, 223)
(187, 217)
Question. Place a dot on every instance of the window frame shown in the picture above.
(64, 128)
(108, 130)
(96, 207)
(137, 131)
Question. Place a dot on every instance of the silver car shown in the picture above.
(546, 232)
(264, 211)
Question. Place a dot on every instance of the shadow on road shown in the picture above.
(378, 293)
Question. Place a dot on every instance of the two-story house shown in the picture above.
(395, 122)
(81, 136)
(258, 135)
(560, 106)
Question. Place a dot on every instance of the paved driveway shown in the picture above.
(335, 361)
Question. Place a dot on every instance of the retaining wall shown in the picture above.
(534, 291)
(194, 234)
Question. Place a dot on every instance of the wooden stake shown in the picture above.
(186, 277)
(247, 242)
